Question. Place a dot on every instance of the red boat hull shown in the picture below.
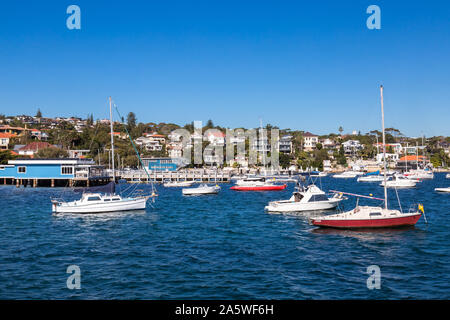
(261, 188)
(369, 223)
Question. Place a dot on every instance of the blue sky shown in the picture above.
(309, 65)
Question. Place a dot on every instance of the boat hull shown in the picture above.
(259, 188)
(298, 207)
(198, 191)
(442, 190)
(123, 205)
(408, 220)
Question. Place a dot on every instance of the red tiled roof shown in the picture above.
(34, 146)
(412, 158)
(7, 135)
(309, 134)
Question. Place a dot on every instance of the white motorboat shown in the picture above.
(442, 189)
(371, 177)
(108, 200)
(376, 178)
(201, 189)
(309, 199)
(346, 175)
(99, 203)
(168, 184)
(399, 181)
(447, 175)
(372, 216)
(257, 184)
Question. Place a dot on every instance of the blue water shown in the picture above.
(219, 247)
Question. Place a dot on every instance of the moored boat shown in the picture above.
(346, 175)
(201, 189)
(169, 184)
(442, 189)
(310, 198)
(257, 184)
(108, 200)
(399, 181)
(371, 177)
(371, 216)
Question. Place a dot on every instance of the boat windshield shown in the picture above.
(318, 197)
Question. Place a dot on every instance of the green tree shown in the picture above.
(39, 113)
(131, 121)
(51, 152)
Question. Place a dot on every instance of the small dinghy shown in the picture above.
(310, 198)
(168, 184)
(201, 189)
(442, 189)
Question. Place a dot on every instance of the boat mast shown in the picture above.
(384, 148)
(112, 139)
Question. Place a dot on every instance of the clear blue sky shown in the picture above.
(309, 65)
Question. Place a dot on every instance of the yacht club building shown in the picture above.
(53, 172)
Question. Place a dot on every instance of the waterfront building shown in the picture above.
(52, 172)
(161, 164)
(409, 162)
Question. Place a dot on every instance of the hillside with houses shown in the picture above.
(24, 136)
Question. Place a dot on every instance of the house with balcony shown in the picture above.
(285, 144)
(309, 141)
(352, 146)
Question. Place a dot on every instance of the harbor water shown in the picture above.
(221, 246)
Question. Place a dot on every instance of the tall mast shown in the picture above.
(112, 139)
(384, 148)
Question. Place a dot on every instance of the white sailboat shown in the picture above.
(100, 202)
(371, 216)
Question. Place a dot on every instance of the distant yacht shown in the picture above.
(371, 177)
(257, 184)
(346, 175)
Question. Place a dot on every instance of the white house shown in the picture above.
(309, 141)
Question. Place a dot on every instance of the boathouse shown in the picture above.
(160, 164)
(53, 172)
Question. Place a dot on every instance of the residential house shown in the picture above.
(285, 144)
(352, 146)
(309, 141)
(5, 140)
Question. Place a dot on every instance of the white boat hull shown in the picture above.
(442, 189)
(291, 206)
(178, 184)
(122, 205)
(201, 190)
(370, 179)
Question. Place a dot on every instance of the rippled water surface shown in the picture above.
(220, 247)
